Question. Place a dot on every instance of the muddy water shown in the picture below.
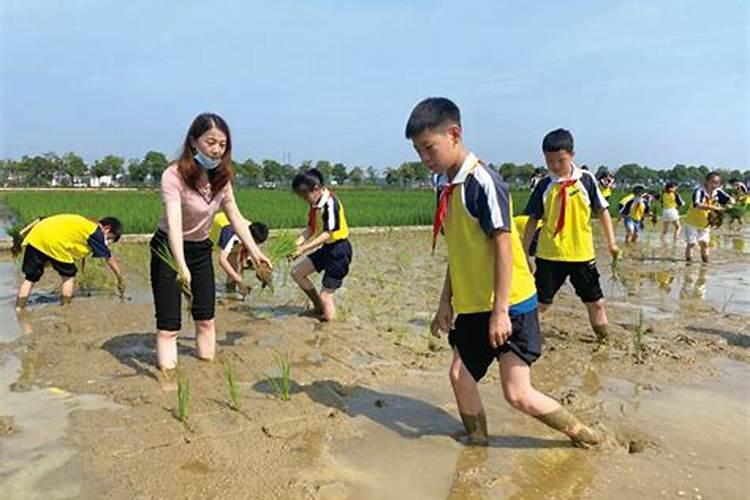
(697, 445)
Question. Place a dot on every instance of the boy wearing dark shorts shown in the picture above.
(489, 314)
(60, 239)
(565, 201)
(327, 237)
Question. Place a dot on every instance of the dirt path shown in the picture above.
(371, 414)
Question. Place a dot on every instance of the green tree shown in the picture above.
(109, 165)
(357, 176)
(249, 173)
(372, 175)
(339, 173)
(393, 177)
(272, 171)
(72, 166)
(136, 171)
(154, 164)
(325, 168)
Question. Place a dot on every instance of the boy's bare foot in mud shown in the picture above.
(476, 429)
(167, 379)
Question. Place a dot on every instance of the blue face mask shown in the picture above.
(205, 161)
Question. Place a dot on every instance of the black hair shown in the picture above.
(432, 113)
(670, 184)
(115, 226)
(259, 232)
(733, 180)
(558, 140)
(308, 180)
(638, 189)
(711, 175)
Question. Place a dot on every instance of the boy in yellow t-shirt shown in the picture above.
(634, 212)
(565, 202)
(706, 198)
(59, 240)
(489, 315)
(231, 255)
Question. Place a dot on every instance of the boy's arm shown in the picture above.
(500, 325)
(606, 221)
(115, 267)
(239, 224)
(528, 235)
(227, 266)
(443, 320)
(319, 240)
(306, 233)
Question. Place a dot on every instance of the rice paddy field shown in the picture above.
(139, 210)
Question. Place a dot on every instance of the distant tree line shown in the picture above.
(69, 169)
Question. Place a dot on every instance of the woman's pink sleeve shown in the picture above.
(171, 186)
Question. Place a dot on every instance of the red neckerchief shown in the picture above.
(563, 203)
(440, 212)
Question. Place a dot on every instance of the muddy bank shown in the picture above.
(371, 413)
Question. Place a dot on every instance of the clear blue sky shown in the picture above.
(656, 82)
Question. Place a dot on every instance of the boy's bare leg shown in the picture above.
(468, 400)
(598, 319)
(704, 251)
(327, 304)
(66, 293)
(515, 376)
(205, 339)
(300, 274)
(23, 294)
(689, 252)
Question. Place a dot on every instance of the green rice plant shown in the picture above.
(281, 247)
(182, 412)
(638, 346)
(233, 386)
(282, 383)
(163, 252)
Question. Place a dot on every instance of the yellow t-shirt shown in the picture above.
(480, 205)
(575, 242)
(67, 237)
(329, 216)
(698, 217)
(671, 199)
(220, 222)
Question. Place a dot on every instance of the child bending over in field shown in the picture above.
(233, 257)
(327, 234)
(488, 303)
(60, 239)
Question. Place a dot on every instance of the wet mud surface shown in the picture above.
(370, 411)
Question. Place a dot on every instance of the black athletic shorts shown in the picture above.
(333, 259)
(34, 261)
(551, 274)
(167, 295)
(471, 336)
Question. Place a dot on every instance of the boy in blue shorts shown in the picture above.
(633, 213)
(489, 315)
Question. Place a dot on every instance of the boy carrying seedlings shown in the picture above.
(233, 258)
(489, 315)
(59, 240)
(633, 213)
(327, 234)
(565, 201)
(708, 199)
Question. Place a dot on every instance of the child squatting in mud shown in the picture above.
(490, 315)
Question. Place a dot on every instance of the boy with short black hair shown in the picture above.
(708, 199)
(232, 255)
(496, 311)
(59, 240)
(565, 201)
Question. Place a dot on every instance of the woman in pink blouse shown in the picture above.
(193, 189)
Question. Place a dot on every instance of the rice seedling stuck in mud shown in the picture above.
(282, 383)
(165, 254)
(638, 346)
(182, 412)
(232, 386)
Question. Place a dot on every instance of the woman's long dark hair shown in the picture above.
(221, 175)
